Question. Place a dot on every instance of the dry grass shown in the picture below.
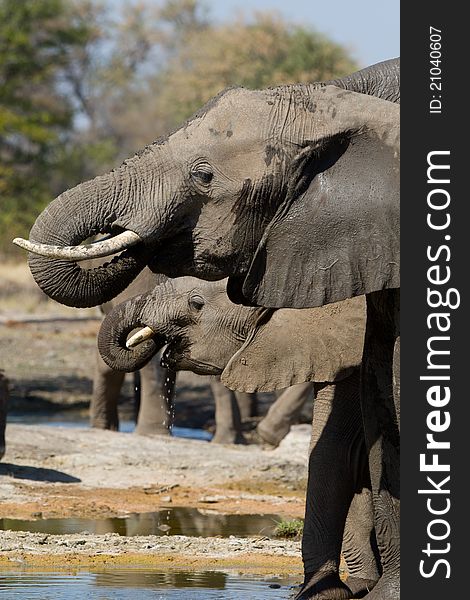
(20, 296)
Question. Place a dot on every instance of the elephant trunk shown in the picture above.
(101, 205)
(138, 312)
(114, 331)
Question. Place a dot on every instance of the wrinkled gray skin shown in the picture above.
(3, 411)
(209, 334)
(292, 192)
(157, 394)
(157, 391)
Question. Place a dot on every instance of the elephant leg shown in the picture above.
(336, 463)
(228, 426)
(107, 385)
(359, 544)
(381, 410)
(3, 411)
(247, 405)
(156, 399)
(283, 412)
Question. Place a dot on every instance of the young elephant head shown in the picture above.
(254, 349)
(290, 191)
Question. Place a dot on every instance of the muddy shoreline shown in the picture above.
(256, 555)
(59, 473)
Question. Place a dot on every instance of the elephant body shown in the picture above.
(207, 333)
(293, 193)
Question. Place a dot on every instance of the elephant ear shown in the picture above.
(293, 346)
(339, 237)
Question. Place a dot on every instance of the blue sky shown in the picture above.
(370, 29)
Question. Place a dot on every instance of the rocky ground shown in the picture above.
(59, 472)
(245, 554)
(47, 352)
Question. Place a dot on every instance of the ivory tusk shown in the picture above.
(144, 334)
(97, 249)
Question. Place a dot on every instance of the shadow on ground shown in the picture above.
(36, 474)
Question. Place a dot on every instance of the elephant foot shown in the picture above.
(273, 438)
(228, 437)
(359, 586)
(254, 438)
(251, 423)
(153, 430)
(387, 588)
(323, 587)
(109, 425)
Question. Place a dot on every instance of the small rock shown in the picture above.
(209, 499)
(166, 499)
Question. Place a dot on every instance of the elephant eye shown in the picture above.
(196, 302)
(202, 174)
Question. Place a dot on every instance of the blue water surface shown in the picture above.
(124, 584)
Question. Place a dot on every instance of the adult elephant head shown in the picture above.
(290, 191)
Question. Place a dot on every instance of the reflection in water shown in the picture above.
(172, 521)
(171, 579)
(122, 583)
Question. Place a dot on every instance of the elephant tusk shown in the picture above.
(144, 334)
(98, 249)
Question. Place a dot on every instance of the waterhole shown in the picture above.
(142, 585)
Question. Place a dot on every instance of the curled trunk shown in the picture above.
(102, 205)
(114, 331)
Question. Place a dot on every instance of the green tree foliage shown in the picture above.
(262, 52)
(180, 59)
(35, 41)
